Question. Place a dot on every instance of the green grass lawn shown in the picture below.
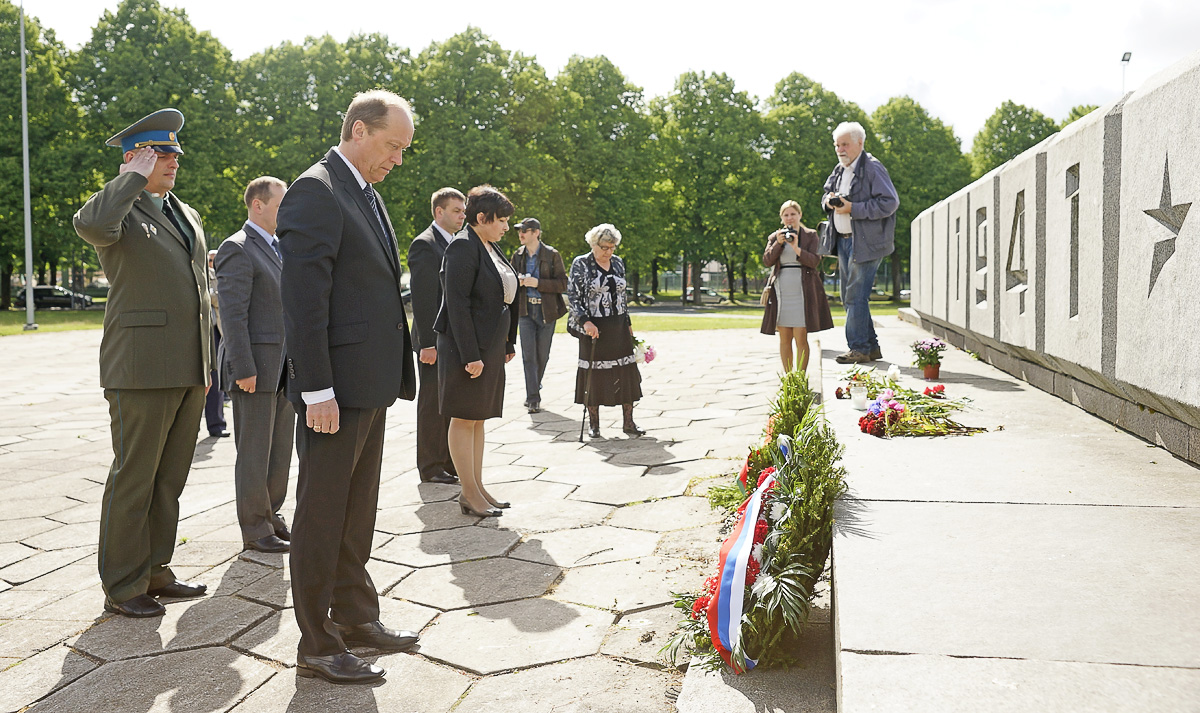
(13, 321)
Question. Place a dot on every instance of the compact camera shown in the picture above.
(836, 201)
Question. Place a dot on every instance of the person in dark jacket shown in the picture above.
(543, 280)
(476, 338)
(796, 302)
(861, 203)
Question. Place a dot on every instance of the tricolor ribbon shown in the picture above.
(725, 608)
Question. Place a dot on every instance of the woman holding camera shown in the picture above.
(796, 302)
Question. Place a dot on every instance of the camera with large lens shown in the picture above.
(836, 201)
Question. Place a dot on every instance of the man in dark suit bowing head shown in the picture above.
(449, 208)
(349, 359)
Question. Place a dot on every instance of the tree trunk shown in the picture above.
(41, 273)
(637, 281)
(730, 277)
(685, 280)
(697, 297)
(654, 277)
(745, 282)
(895, 276)
(6, 271)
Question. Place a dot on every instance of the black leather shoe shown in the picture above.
(142, 606)
(281, 530)
(270, 543)
(179, 590)
(375, 635)
(633, 430)
(594, 432)
(339, 668)
(444, 478)
(219, 434)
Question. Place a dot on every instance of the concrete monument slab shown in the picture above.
(586, 546)
(429, 549)
(665, 515)
(187, 624)
(630, 585)
(476, 583)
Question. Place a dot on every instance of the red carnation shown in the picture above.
(700, 607)
(711, 584)
(761, 528)
(766, 473)
(752, 569)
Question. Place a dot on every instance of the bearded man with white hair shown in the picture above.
(861, 203)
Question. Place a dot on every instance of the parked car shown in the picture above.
(640, 297)
(47, 296)
(705, 292)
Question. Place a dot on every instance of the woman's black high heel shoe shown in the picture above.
(500, 504)
(468, 510)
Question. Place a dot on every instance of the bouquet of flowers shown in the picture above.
(643, 352)
(928, 351)
(750, 612)
(897, 411)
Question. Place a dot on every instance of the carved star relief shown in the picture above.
(1171, 217)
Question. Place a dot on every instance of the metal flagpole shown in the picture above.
(29, 323)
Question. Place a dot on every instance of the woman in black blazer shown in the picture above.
(477, 334)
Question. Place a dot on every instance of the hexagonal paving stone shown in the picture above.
(84, 606)
(386, 575)
(699, 544)
(278, 636)
(515, 635)
(39, 676)
(25, 637)
(498, 579)
(411, 684)
(586, 546)
(273, 590)
(207, 679)
(594, 684)
(632, 490)
(590, 473)
(549, 516)
(526, 492)
(13, 552)
(428, 549)
(665, 515)
(631, 584)
(197, 553)
(17, 530)
(187, 624)
(41, 563)
(701, 468)
(425, 517)
(668, 453)
(232, 577)
(641, 635)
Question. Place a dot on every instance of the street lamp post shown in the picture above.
(1124, 65)
(29, 323)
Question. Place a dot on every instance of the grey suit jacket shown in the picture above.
(252, 334)
(157, 322)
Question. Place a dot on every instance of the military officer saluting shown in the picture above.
(155, 358)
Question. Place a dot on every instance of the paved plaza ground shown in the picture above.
(561, 604)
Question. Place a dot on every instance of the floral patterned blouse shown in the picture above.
(593, 291)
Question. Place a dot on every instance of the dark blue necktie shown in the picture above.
(275, 247)
(378, 214)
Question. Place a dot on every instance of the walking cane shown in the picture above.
(587, 388)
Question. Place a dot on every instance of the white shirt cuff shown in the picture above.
(316, 397)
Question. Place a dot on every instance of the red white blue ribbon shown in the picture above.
(725, 609)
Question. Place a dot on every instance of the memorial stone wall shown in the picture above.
(1076, 265)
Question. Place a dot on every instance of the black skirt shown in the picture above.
(615, 376)
(460, 396)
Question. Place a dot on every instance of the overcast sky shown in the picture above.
(959, 59)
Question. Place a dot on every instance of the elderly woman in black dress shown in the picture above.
(477, 334)
(608, 373)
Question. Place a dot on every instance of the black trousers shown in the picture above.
(337, 491)
(433, 447)
(214, 400)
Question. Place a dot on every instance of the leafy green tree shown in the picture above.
(602, 140)
(714, 162)
(925, 161)
(53, 121)
(293, 99)
(1011, 129)
(145, 57)
(481, 112)
(1078, 112)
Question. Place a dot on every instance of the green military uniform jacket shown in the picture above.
(157, 322)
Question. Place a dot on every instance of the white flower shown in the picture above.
(777, 511)
(893, 372)
(763, 586)
(756, 553)
(785, 444)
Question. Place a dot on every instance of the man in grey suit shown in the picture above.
(251, 355)
(449, 207)
(349, 359)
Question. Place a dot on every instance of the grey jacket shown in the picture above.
(252, 342)
(873, 207)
